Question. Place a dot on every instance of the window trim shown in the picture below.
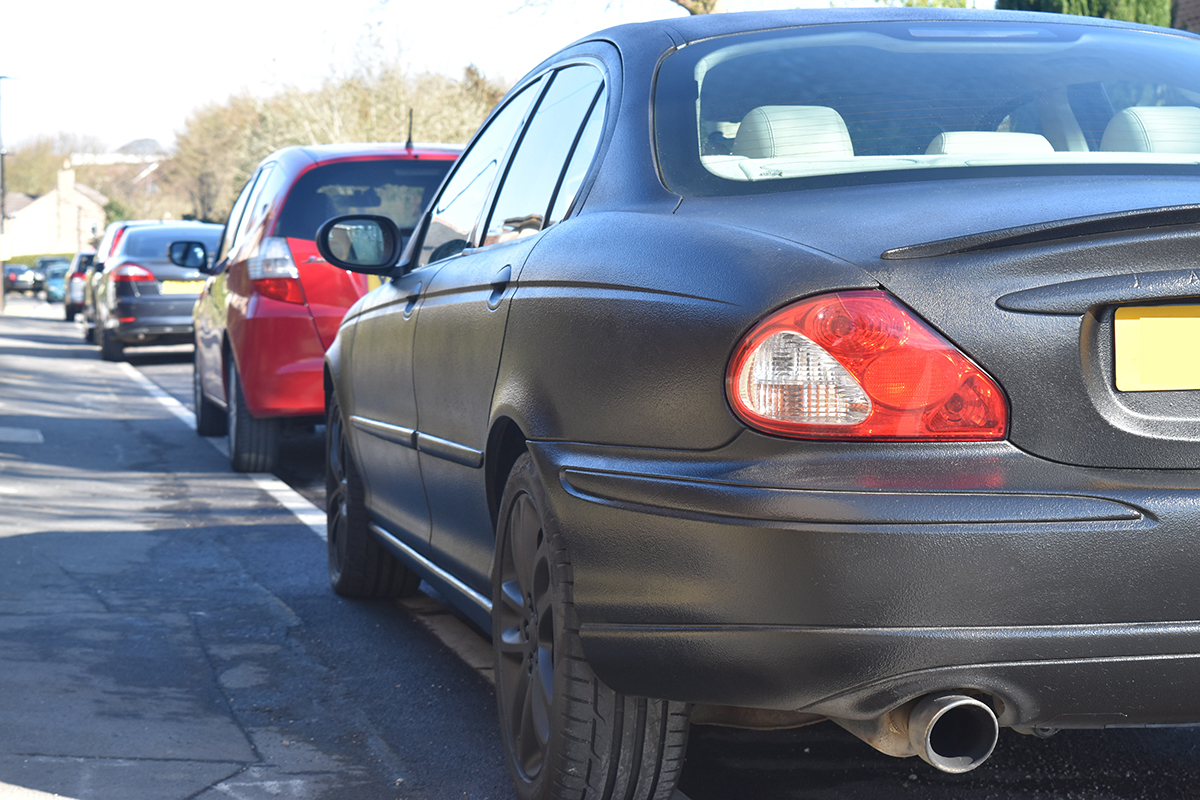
(485, 220)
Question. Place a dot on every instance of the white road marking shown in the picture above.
(460, 638)
(21, 436)
(292, 500)
(286, 496)
(174, 406)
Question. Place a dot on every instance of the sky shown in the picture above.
(119, 70)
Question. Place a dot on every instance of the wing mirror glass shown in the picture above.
(190, 255)
(360, 243)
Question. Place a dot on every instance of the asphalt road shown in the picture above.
(167, 631)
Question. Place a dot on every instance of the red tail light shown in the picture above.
(273, 271)
(127, 273)
(859, 365)
(286, 289)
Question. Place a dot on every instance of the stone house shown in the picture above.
(64, 220)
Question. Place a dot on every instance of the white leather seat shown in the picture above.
(1153, 129)
(988, 142)
(812, 132)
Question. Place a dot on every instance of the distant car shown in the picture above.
(140, 297)
(40, 267)
(55, 282)
(769, 367)
(76, 283)
(273, 304)
(14, 274)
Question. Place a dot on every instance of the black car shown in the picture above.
(756, 369)
(138, 297)
(14, 274)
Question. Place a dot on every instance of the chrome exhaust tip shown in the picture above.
(953, 732)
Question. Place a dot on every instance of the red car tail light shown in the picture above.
(273, 271)
(128, 273)
(859, 365)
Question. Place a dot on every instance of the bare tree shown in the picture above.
(699, 6)
(221, 144)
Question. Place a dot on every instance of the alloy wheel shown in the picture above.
(526, 646)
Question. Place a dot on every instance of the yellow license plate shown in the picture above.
(1157, 348)
(182, 287)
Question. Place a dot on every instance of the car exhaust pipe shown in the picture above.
(952, 732)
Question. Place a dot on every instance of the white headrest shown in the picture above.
(793, 132)
(997, 142)
(1153, 129)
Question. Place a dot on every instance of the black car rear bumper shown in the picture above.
(152, 320)
(848, 579)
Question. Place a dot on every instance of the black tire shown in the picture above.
(111, 348)
(253, 442)
(359, 566)
(566, 734)
(210, 418)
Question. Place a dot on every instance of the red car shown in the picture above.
(272, 305)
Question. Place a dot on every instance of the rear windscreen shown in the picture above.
(153, 242)
(832, 104)
(393, 188)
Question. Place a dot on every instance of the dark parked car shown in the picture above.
(771, 367)
(18, 278)
(109, 242)
(272, 305)
(139, 297)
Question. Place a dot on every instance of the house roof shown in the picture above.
(1187, 15)
(15, 201)
(91, 194)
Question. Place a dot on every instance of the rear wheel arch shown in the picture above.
(506, 442)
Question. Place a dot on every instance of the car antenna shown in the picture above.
(409, 145)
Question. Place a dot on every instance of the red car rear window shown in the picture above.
(394, 188)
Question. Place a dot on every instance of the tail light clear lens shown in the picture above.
(129, 273)
(859, 365)
(274, 272)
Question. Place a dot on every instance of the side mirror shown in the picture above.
(360, 243)
(191, 255)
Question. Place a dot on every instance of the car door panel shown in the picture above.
(456, 357)
(385, 410)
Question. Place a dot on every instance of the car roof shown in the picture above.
(684, 30)
(320, 153)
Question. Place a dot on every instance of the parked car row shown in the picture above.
(33, 279)
(749, 369)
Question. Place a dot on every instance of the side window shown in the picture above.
(581, 158)
(458, 207)
(235, 217)
(256, 207)
(536, 169)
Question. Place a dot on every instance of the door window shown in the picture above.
(536, 169)
(235, 217)
(582, 153)
(256, 207)
(461, 202)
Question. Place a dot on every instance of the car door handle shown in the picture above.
(411, 299)
(499, 284)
